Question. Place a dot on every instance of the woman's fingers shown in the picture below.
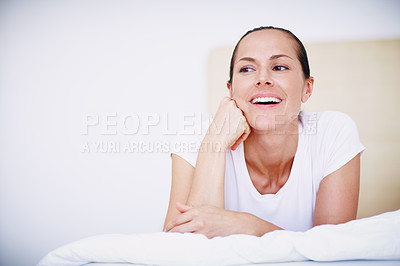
(245, 128)
(189, 222)
(225, 128)
(243, 137)
(179, 220)
(207, 220)
(182, 207)
(183, 228)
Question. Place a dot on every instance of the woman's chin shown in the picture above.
(272, 124)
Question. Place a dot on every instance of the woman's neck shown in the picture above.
(269, 157)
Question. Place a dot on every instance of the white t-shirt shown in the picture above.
(327, 141)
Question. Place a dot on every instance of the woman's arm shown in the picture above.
(207, 218)
(209, 176)
(214, 221)
(204, 184)
(228, 129)
(337, 201)
(182, 173)
(337, 198)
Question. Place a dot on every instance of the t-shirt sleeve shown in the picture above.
(187, 146)
(339, 142)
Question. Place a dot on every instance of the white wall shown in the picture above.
(62, 62)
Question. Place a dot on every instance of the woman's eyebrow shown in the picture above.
(251, 59)
(272, 57)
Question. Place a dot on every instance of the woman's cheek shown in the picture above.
(239, 93)
(241, 103)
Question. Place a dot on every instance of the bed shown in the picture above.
(369, 241)
(300, 263)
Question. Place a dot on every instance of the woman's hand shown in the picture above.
(229, 127)
(213, 221)
(207, 220)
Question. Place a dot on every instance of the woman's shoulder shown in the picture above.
(187, 144)
(334, 142)
(324, 116)
(315, 122)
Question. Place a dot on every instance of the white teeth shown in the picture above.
(266, 100)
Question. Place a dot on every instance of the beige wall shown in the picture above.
(361, 79)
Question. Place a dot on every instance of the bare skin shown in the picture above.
(266, 62)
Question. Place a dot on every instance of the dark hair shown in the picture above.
(301, 53)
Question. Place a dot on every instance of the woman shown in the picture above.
(264, 165)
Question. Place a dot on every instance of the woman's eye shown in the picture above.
(246, 69)
(279, 68)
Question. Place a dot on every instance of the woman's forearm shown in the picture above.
(257, 226)
(213, 221)
(208, 179)
(228, 129)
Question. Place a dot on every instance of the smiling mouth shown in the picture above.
(266, 100)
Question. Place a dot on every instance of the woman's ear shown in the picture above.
(308, 89)
(229, 86)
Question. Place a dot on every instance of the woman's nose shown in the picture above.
(266, 82)
(263, 79)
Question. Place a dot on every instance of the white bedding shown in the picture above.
(374, 238)
(296, 263)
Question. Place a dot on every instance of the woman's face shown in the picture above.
(268, 83)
